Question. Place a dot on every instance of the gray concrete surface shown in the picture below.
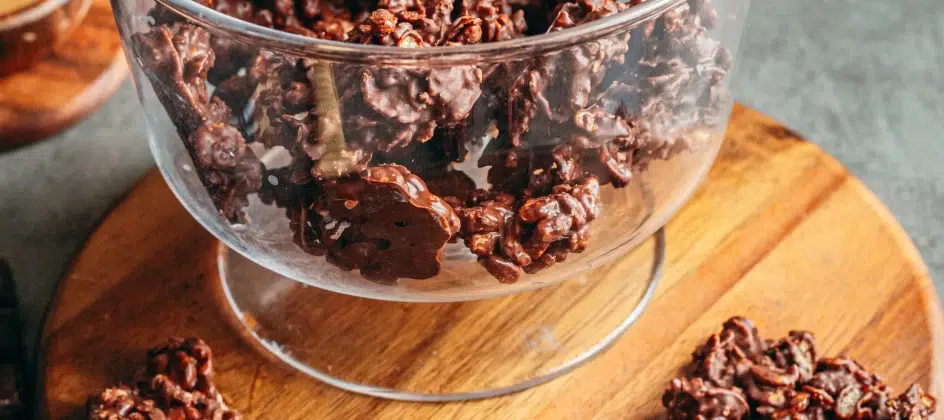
(863, 78)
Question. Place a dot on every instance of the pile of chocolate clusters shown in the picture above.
(739, 375)
(177, 384)
(373, 183)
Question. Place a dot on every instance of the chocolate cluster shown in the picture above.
(372, 182)
(177, 384)
(739, 375)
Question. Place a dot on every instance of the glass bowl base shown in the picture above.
(441, 351)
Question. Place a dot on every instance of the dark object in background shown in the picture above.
(12, 405)
(783, 379)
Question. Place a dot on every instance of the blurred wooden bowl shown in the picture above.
(30, 29)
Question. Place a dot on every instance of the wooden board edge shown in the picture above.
(929, 293)
(152, 175)
(51, 315)
(909, 251)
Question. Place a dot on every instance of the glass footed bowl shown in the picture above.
(250, 125)
(431, 152)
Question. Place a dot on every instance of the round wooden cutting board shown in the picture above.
(780, 232)
(59, 90)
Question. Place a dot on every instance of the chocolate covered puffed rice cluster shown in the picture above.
(551, 130)
(739, 375)
(510, 234)
(176, 384)
(178, 58)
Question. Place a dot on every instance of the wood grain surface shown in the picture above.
(65, 86)
(779, 232)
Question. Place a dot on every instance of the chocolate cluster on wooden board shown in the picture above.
(739, 375)
(176, 384)
(551, 129)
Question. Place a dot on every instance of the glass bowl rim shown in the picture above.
(294, 44)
